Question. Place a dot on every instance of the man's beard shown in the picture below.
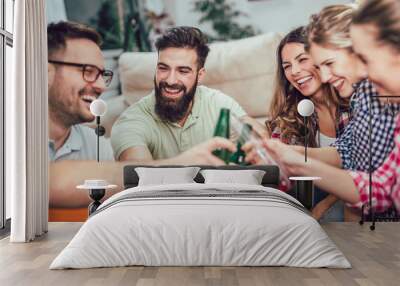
(173, 110)
(68, 113)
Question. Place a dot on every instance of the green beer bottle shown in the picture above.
(239, 156)
(223, 130)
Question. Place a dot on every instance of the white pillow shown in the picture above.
(164, 176)
(248, 177)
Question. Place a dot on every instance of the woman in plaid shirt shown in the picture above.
(375, 34)
(331, 47)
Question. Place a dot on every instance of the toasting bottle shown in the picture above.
(254, 138)
(239, 156)
(223, 130)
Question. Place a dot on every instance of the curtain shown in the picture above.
(26, 121)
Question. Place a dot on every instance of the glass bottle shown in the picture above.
(239, 156)
(222, 129)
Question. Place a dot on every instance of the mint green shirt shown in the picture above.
(139, 125)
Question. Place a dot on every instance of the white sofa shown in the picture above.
(244, 69)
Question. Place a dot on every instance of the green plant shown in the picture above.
(127, 30)
(137, 28)
(223, 18)
(107, 25)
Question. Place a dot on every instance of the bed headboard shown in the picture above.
(270, 179)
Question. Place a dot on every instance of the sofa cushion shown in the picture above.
(244, 69)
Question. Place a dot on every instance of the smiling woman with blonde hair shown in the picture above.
(331, 48)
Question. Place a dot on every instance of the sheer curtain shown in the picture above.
(26, 121)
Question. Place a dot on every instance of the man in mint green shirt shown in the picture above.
(140, 126)
(178, 115)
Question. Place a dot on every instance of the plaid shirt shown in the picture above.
(353, 145)
(385, 180)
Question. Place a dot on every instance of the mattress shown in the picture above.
(201, 225)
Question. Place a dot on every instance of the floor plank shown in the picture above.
(374, 255)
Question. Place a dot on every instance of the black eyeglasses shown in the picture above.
(90, 73)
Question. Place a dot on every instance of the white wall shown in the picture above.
(55, 11)
(265, 15)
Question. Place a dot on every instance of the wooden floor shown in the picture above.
(375, 257)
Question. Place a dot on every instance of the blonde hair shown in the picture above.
(385, 16)
(331, 27)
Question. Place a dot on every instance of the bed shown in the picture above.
(201, 224)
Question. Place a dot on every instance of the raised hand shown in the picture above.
(288, 159)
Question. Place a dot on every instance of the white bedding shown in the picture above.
(189, 230)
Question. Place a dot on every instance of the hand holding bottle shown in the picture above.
(256, 149)
(251, 137)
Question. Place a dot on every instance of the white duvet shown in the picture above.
(207, 230)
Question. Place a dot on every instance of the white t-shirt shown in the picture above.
(325, 141)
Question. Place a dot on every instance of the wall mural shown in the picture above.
(128, 87)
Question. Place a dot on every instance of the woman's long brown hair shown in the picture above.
(283, 109)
